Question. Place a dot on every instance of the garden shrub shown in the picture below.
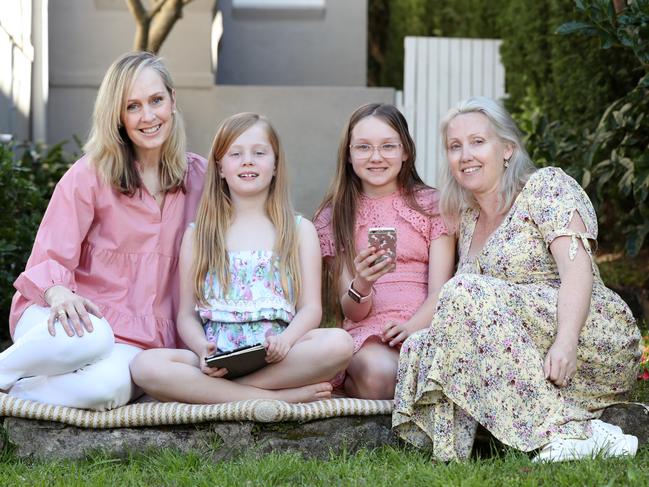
(616, 169)
(28, 173)
(567, 79)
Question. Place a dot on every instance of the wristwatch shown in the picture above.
(356, 296)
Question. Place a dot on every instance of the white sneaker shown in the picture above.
(607, 441)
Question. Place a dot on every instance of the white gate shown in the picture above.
(438, 73)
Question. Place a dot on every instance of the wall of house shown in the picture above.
(86, 36)
(272, 46)
(16, 57)
(309, 120)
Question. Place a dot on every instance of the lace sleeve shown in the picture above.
(322, 223)
(430, 227)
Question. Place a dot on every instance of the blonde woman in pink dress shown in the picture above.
(101, 283)
(377, 185)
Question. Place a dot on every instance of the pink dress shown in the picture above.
(120, 252)
(400, 293)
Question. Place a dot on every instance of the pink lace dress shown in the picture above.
(400, 293)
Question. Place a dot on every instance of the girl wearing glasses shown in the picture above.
(249, 273)
(376, 185)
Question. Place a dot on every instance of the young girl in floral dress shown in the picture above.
(377, 185)
(244, 268)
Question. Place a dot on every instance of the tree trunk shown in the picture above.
(153, 25)
(171, 11)
(141, 36)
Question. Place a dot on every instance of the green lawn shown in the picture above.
(385, 466)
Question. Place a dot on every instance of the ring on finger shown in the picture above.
(61, 312)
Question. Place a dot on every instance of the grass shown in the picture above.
(384, 466)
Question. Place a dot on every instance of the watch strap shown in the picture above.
(356, 296)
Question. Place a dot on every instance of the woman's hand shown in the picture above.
(277, 346)
(69, 309)
(367, 272)
(395, 333)
(560, 363)
(208, 351)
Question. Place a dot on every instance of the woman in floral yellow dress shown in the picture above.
(526, 340)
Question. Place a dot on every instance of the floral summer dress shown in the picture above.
(255, 305)
(398, 294)
(481, 359)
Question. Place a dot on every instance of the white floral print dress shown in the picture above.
(254, 306)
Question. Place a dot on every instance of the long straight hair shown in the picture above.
(109, 147)
(454, 198)
(215, 213)
(346, 186)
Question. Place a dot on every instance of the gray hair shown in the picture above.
(454, 198)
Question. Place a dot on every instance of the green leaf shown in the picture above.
(636, 239)
(576, 27)
(627, 163)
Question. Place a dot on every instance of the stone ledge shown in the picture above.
(223, 440)
(633, 418)
(220, 440)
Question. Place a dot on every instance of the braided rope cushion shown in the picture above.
(158, 413)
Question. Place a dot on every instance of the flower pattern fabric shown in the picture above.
(254, 306)
(481, 360)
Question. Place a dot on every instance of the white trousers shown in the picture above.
(89, 372)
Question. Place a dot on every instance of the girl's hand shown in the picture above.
(395, 333)
(560, 363)
(210, 349)
(367, 272)
(71, 310)
(277, 346)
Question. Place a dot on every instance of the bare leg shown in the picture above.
(173, 375)
(372, 372)
(318, 356)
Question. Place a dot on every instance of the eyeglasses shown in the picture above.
(365, 151)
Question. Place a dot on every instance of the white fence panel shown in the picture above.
(438, 73)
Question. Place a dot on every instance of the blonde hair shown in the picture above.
(109, 147)
(346, 189)
(454, 198)
(215, 213)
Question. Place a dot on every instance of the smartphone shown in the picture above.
(384, 238)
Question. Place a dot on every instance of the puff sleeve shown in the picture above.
(555, 197)
(57, 247)
(429, 200)
(430, 226)
(322, 223)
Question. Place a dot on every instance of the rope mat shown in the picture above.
(166, 413)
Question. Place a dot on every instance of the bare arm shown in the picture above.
(309, 306)
(573, 304)
(441, 262)
(188, 322)
(189, 325)
(364, 276)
